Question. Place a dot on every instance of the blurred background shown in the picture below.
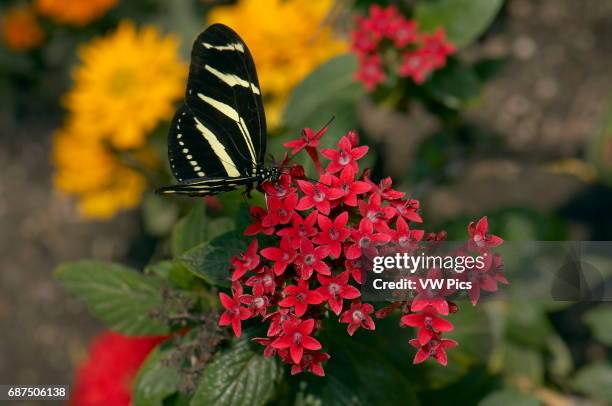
(517, 126)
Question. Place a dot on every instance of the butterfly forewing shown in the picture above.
(220, 131)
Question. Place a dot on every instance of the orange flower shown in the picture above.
(20, 29)
(74, 12)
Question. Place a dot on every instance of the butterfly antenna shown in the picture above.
(331, 120)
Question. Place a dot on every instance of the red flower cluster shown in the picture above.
(415, 54)
(324, 229)
(107, 375)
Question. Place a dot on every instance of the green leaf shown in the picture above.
(509, 397)
(196, 228)
(211, 260)
(190, 230)
(238, 376)
(599, 153)
(454, 86)
(523, 362)
(594, 380)
(599, 321)
(119, 296)
(329, 90)
(358, 375)
(155, 380)
(158, 215)
(463, 20)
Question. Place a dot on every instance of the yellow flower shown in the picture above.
(87, 169)
(126, 85)
(20, 29)
(75, 12)
(288, 39)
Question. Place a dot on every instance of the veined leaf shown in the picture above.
(155, 380)
(238, 376)
(120, 297)
(211, 260)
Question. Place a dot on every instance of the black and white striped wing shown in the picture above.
(217, 139)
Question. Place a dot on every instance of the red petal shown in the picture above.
(226, 301)
(296, 353)
(424, 336)
(237, 327)
(420, 356)
(310, 343)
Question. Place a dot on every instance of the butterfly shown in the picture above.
(217, 138)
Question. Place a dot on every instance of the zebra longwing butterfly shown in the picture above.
(217, 139)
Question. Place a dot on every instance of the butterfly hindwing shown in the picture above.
(220, 131)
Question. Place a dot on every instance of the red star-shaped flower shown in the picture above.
(296, 336)
(358, 316)
(345, 156)
(299, 297)
(333, 233)
(335, 289)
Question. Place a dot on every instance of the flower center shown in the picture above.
(428, 320)
(374, 215)
(333, 234)
(344, 158)
(121, 82)
(259, 302)
(403, 240)
(297, 338)
(280, 191)
(334, 289)
(318, 196)
(282, 212)
(357, 315)
(300, 297)
(267, 280)
(364, 242)
(309, 259)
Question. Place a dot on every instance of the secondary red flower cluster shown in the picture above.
(414, 54)
(324, 229)
(105, 378)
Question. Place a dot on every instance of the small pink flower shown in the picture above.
(309, 139)
(312, 259)
(311, 361)
(345, 156)
(296, 337)
(335, 289)
(365, 239)
(246, 261)
(370, 72)
(333, 233)
(282, 256)
(234, 312)
(317, 196)
(480, 239)
(299, 297)
(257, 215)
(301, 229)
(434, 348)
(428, 323)
(350, 187)
(358, 316)
(279, 211)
